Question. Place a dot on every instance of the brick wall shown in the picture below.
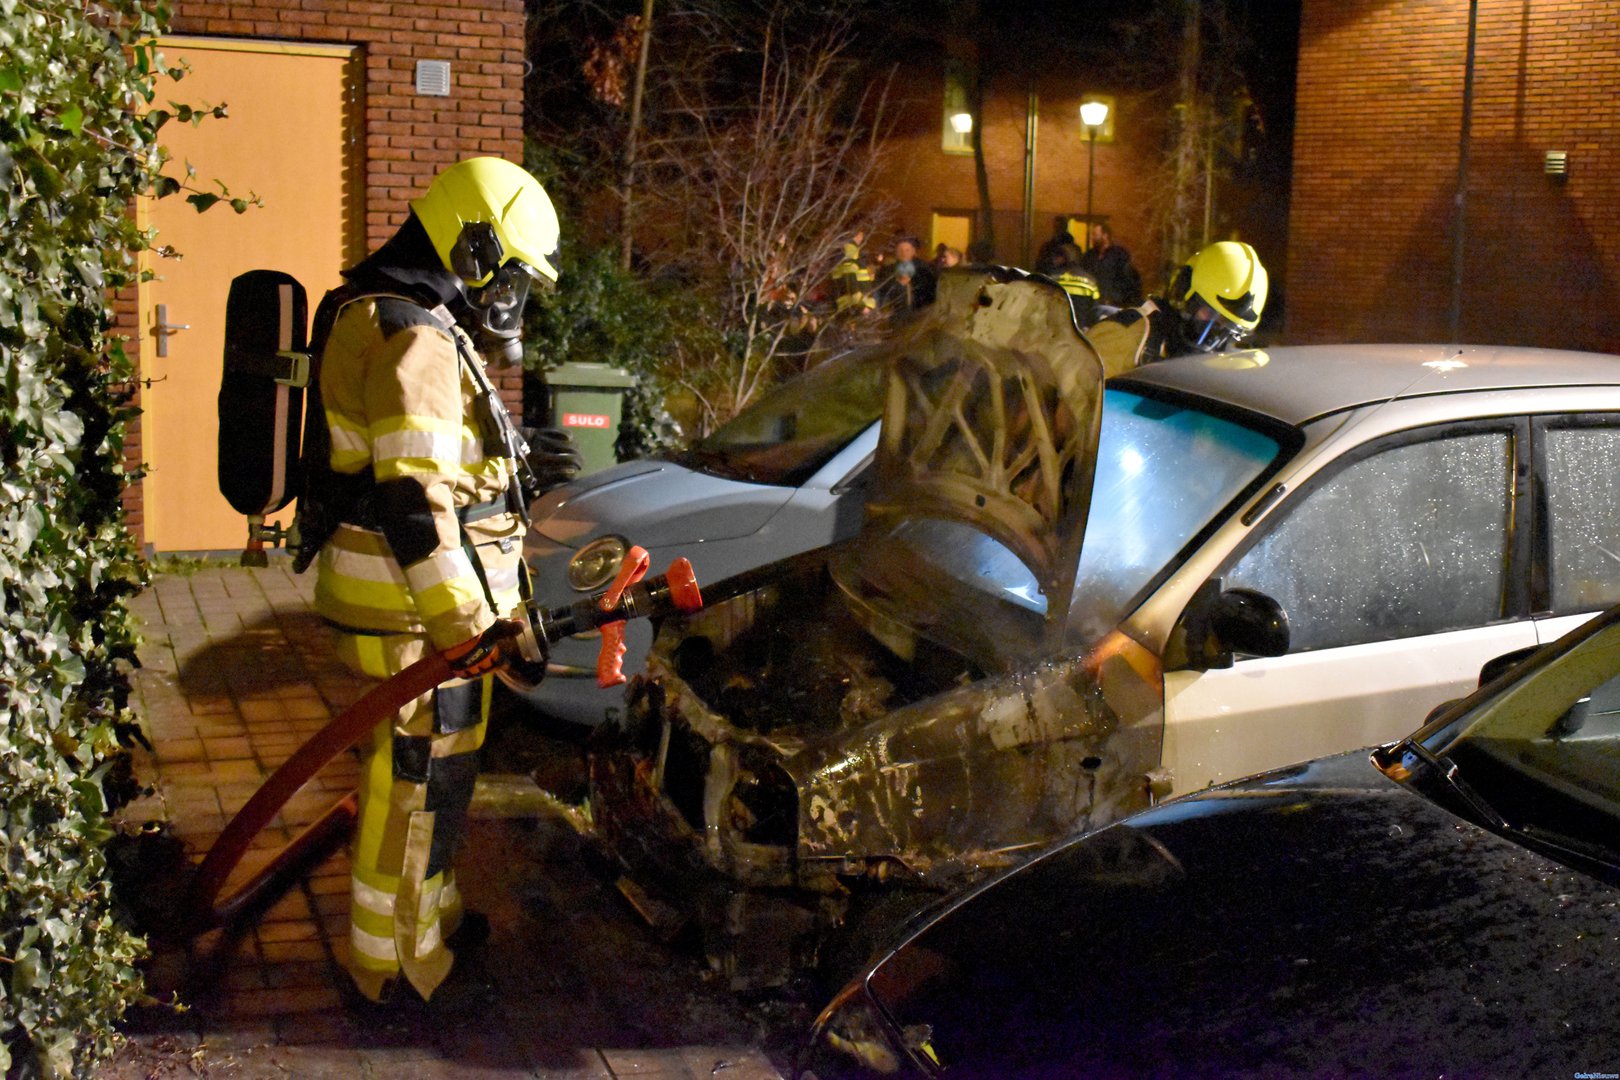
(408, 137)
(404, 138)
(921, 178)
(1376, 159)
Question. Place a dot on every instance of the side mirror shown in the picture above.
(1498, 664)
(1221, 624)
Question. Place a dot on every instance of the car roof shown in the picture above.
(1297, 384)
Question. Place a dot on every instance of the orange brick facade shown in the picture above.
(404, 138)
(1376, 152)
(922, 179)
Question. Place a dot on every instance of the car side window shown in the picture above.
(1410, 540)
(1582, 470)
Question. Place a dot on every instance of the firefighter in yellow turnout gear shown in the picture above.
(426, 550)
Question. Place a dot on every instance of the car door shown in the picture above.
(1398, 570)
(1577, 520)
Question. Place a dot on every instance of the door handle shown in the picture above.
(163, 329)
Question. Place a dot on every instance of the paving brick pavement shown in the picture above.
(236, 673)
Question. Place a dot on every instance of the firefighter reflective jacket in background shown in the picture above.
(429, 558)
(1132, 337)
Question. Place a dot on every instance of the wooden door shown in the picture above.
(954, 229)
(289, 139)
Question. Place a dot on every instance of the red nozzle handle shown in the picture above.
(677, 588)
(683, 587)
(610, 658)
(631, 570)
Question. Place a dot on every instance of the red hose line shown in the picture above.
(310, 844)
(201, 912)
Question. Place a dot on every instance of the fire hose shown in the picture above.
(629, 597)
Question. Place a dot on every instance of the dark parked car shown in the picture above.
(1447, 906)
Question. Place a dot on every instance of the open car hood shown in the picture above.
(991, 423)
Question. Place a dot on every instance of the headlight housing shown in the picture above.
(594, 565)
(850, 1040)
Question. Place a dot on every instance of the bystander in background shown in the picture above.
(1118, 281)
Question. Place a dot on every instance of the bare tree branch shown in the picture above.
(761, 179)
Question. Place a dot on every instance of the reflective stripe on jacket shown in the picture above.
(399, 400)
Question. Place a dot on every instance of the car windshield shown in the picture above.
(1164, 471)
(1542, 753)
(796, 428)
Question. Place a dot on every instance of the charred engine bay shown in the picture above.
(806, 663)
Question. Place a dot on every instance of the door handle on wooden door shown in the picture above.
(163, 329)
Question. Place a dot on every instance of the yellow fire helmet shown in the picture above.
(1226, 276)
(484, 212)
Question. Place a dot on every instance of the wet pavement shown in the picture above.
(236, 675)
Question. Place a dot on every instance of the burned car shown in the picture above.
(1071, 599)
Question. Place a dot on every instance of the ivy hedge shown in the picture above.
(77, 144)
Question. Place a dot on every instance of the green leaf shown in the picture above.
(25, 971)
(72, 118)
(202, 200)
(10, 80)
(27, 528)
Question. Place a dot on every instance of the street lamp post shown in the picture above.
(1093, 114)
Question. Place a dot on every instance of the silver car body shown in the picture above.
(721, 526)
(1345, 399)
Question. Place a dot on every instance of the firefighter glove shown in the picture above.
(478, 656)
(553, 459)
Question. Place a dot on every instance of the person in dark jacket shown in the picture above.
(907, 283)
(1118, 282)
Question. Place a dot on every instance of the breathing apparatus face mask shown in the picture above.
(1207, 330)
(492, 312)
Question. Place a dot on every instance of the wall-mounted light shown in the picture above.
(962, 123)
(1555, 163)
(1094, 114)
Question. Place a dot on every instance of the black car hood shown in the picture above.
(1320, 921)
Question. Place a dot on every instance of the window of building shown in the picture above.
(956, 132)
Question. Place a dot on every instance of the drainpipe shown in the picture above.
(1459, 234)
(1032, 114)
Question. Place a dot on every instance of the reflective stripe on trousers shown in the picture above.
(416, 779)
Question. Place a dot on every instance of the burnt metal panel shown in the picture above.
(972, 778)
(992, 420)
